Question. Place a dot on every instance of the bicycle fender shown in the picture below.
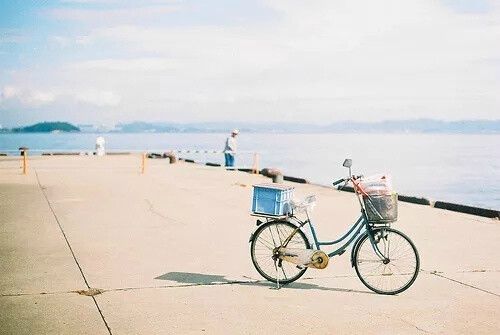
(355, 245)
(257, 223)
(250, 239)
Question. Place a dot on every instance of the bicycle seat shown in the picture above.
(301, 205)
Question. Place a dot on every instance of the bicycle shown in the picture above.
(385, 260)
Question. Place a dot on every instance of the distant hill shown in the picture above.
(47, 127)
(388, 126)
(416, 126)
(144, 127)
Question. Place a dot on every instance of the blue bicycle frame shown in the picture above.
(354, 233)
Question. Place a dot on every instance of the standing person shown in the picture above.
(99, 146)
(230, 148)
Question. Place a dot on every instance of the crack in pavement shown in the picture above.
(475, 271)
(400, 319)
(438, 273)
(415, 326)
(465, 284)
(164, 217)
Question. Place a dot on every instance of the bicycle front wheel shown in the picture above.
(270, 236)
(397, 271)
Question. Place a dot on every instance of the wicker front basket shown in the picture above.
(385, 205)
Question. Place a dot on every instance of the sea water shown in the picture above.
(460, 168)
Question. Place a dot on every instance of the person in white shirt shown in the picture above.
(230, 148)
(99, 146)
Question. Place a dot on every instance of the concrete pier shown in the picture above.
(89, 245)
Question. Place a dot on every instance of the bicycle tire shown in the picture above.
(399, 273)
(269, 236)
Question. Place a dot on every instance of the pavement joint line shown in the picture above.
(33, 294)
(138, 288)
(185, 285)
(70, 248)
(250, 281)
(232, 282)
(102, 315)
(62, 230)
(244, 282)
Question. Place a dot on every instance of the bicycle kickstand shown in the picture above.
(277, 277)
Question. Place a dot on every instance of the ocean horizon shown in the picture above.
(459, 168)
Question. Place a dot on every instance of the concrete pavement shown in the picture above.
(169, 251)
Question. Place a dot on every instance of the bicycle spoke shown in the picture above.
(400, 270)
(272, 236)
(267, 244)
(284, 274)
(265, 241)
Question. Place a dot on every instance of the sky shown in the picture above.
(310, 61)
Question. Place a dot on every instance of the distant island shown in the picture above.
(45, 127)
(389, 126)
(416, 126)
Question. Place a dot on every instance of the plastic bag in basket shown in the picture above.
(379, 184)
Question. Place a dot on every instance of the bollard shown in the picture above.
(274, 174)
(24, 153)
(170, 156)
(277, 178)
(255, 166)
(143, 168)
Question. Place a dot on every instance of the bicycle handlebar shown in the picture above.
(346, 179)
(338, 181)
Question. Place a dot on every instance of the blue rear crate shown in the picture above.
(271, 199)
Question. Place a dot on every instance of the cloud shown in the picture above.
(327, 51)
(9, 35)
(98, 98)
(137, 64)
(470, 6)
(30, 98)
(113, 15)
(334, 59)
(122, 2)
(27, 97)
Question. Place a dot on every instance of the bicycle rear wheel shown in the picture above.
(393, 275)
(268, 237)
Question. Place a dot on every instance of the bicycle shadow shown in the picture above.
(195, 279)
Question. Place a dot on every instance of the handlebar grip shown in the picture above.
(338, 181)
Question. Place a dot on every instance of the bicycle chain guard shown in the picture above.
(316, 259)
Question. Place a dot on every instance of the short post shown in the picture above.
(24, 153)
(274, 174)
(170, 156)
(255, 166)
(143, 168)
